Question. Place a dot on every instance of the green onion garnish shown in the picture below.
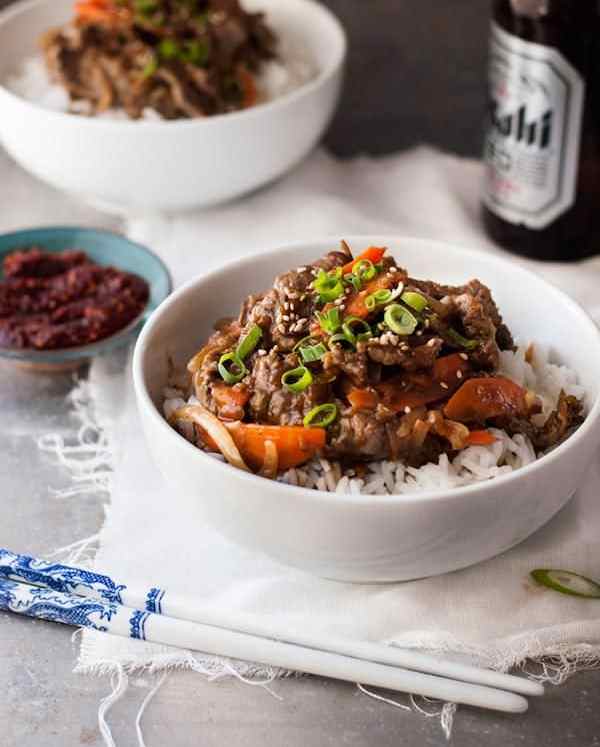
(463, 342)
(231, 368)
(330, 321)
(312, 353)
(305, 342)
(297, 380)
(341, 338)
(353, 280)
(249, 343)
(150, 68)
(400, 320)
(168, 48)
(356, 329)
(415, 300)
(567, 582)
(321, 416)
(364, 269)
(379, 298)
(195, 51)
(329, 287)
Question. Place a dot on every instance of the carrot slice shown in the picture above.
(248, 86)
(478, 400)
(363, 399)
(418, 389)
(295, 444)
(374, 254)
(355, 305)
(480, 438)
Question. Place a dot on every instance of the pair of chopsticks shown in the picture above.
(76, 596)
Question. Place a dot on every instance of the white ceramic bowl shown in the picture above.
(371, 538)
(171, 166)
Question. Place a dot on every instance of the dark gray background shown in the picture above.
(416, 73)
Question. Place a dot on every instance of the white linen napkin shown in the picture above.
(490, 612)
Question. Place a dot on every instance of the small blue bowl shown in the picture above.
(105, 248)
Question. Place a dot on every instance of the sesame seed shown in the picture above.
(431, 343)
(286, 305)
(444, 385)
(337, 302)
(464, 356)
(420, 333)
(301, 269)
(407, 410)
(285, 318)
(459, 374)
(393, 269)
(262, 352)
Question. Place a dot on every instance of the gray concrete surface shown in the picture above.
(415, 74)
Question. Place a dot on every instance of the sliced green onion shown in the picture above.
(400, 320)
(464, 342)
(195, 51)
(330, 321)
(249, 343)
(313, 353)
(364, 269)
(567, 582)
(341, 338)
(321, 416)
(168, 48)
(356, 329)
(305, 342)
(297, 380)
(379, 298)
(150, 68)
(415, 300)
(231, 368)
(354, 281)
(329, 287)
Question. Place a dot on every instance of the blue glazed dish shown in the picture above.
(105, 248)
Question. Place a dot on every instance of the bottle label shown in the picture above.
(532, 140)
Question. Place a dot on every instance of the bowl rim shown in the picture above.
(106, 344)
(320, 80)
(477, 489)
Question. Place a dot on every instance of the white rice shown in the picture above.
(277, 78)
(471, 465)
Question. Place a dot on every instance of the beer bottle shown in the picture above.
(542, 145)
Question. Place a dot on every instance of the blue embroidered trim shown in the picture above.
(154, 600)
(137, 624)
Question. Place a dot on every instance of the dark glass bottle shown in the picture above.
(542, 148)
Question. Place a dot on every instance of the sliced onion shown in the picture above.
(215, 429)
(195, 363)
(455, 433)
(271, 460)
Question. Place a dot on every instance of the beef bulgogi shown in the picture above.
(180, 58)
(354, 360)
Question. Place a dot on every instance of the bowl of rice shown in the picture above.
(388, 521)
(153, 163)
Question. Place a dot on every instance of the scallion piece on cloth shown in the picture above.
(231, 367)
(312, 353)
(249, 343)
(329, 287)
(459, 339)
(330, 321)
(567, 582)
(415, 300)
(400, 320)
(297, 380)
(356, 329)
(321, 416)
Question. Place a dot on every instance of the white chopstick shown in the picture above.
(95, 585)
(117, 619)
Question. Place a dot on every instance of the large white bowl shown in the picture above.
(128, 165)
(371, 538)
